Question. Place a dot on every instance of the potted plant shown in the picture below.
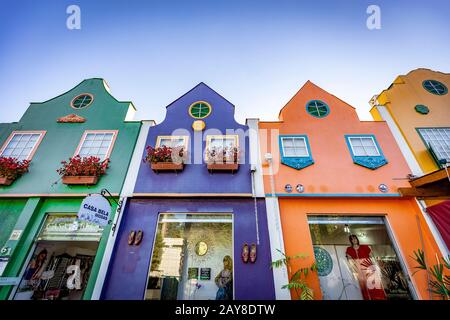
(438, 274)
(165, 158)
(222, 158)
(11, 169)
(85, 171)
(297, 280)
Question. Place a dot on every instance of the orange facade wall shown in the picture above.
(333, 171)
(402, 217)
(334, 184)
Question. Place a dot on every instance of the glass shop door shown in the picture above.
(357, 259)
(192, 258)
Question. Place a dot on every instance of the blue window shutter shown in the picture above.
(370, 162)
(296, 162)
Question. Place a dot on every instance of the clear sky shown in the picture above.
(257, 54)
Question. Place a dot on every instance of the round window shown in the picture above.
(317, 108)
(82, 101)
(200, 109)
(420, 108)
(435, 87)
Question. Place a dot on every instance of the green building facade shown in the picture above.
(39, 229)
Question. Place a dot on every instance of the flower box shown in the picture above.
(11, 169)
(225, 159)
(5, 181)
(83, 180)
(166, 166)
(82, 171)
(223, 166)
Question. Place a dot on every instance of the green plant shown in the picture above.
(439, 282)
(297, 281)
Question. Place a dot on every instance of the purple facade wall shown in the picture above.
(195, 177)
(129, 265)
(127, 276)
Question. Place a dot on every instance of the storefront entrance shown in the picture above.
(61, 260)
(357, 259)
(192, 258)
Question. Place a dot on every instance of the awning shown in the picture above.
(434, 185)
(440, 214)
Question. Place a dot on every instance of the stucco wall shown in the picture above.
(128, 270)
(401, 98)
(401, 215)
(195, 177)
(333, 171)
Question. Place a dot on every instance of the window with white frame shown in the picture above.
(21, 145)
(172, 141)
(294, 147)
(221, 141)
(96, 144)
(439, 140)
(364, 146)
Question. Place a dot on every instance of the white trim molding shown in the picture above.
(401, 142)
(280, 275)
(255, 157)
(127, 191)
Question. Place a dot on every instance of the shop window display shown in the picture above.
(357, 259)
(192, 258)
(61, 262)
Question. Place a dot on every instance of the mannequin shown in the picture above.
(359, 258)
(224, 280)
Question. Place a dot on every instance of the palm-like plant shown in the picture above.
(297, 281)
(439, 282)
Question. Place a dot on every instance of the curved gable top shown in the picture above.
(296, 106)
(60, 106)
(413, 75)
(222, 110)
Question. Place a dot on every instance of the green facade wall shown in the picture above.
(61, 140)
(25, 204)
(32, 226)
(10, 210)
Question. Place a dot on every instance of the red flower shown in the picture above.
(86, 166)
(11, 168)
(165, 154)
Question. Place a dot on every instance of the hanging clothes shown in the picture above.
(365, 269)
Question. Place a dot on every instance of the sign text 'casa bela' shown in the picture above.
(96, 209)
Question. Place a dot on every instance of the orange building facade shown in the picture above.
(331, 183)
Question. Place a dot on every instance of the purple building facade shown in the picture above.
(194, 223)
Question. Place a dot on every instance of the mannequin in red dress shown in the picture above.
(359, 256)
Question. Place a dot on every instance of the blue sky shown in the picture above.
(257, 54)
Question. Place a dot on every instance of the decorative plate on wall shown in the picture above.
(323, 261)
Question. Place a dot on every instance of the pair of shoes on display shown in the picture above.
(135, 238)
(249, 255)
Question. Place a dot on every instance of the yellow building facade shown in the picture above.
(416, 107)
(404, 101)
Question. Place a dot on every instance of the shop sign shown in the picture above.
(96, 209)
(9, 281)
(15, 235)
(68, 227)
